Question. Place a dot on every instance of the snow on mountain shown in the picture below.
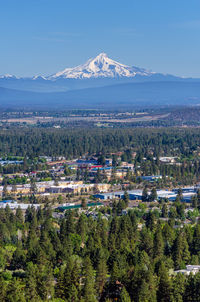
(38, 77)
(101, 66)
(8, 76)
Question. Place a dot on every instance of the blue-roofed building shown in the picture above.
(151, 178)
(186, 190)
(133, 195)
(137, 195)
(104, 196)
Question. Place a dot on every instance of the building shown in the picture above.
(190, 269)
(151, 178)
(137, 195)
(13, 205)
(168, 159)
(133, 195)
(78, 206)
(70, 188)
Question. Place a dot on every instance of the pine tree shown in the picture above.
(115, 273)
(196, 240)
(2, 289)
(194, 202)
(191, 290)
(146, 243)
(45, 286)
(5, 191)
(181, 251)
(158, 244)
(89, 293)
(124, 296)
(19, 258)
(101, 275)
(14, 292)
(178, 288)
(19, 215)
(164, 211)
(73, 294)
(153, 196)
(82, 227)
(126, 198)
(150, 221)
(164, 286)
(31, 283)
(145, 195)
(60, 285)
(33, 187)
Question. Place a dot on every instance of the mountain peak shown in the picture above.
(102, 55)
(8, 76)
(100, 66)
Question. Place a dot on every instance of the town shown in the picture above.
(92, 181)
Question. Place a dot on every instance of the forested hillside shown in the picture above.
(81, 259)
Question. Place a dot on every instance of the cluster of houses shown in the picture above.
(56, 167)
(92, 166)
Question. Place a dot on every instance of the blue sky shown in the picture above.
(44, 36)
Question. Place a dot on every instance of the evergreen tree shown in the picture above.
(31, 283)
(101, 275)
(153, 196)
(45, 282)
(126, 198)
(194, 202)
(178, 288)
(5, 191)
(15, 292)
(158, 244)
(164, 286)
(124, 296)
(2, 289)
(164, 211)
(181, 251)
(89, 292)
(145, 195)
(19, 215)
(73, 294)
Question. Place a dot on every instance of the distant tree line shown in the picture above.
(76, 142)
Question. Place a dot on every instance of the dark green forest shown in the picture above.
(77, 258)
(75, 142)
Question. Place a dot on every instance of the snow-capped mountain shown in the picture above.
(100, 71)
(8, 76)
(38, 77)
(101, 66)
(100, 82)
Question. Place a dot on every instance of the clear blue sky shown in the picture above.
(44, 36)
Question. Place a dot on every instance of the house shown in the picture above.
(190, 269)
(168, 159)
